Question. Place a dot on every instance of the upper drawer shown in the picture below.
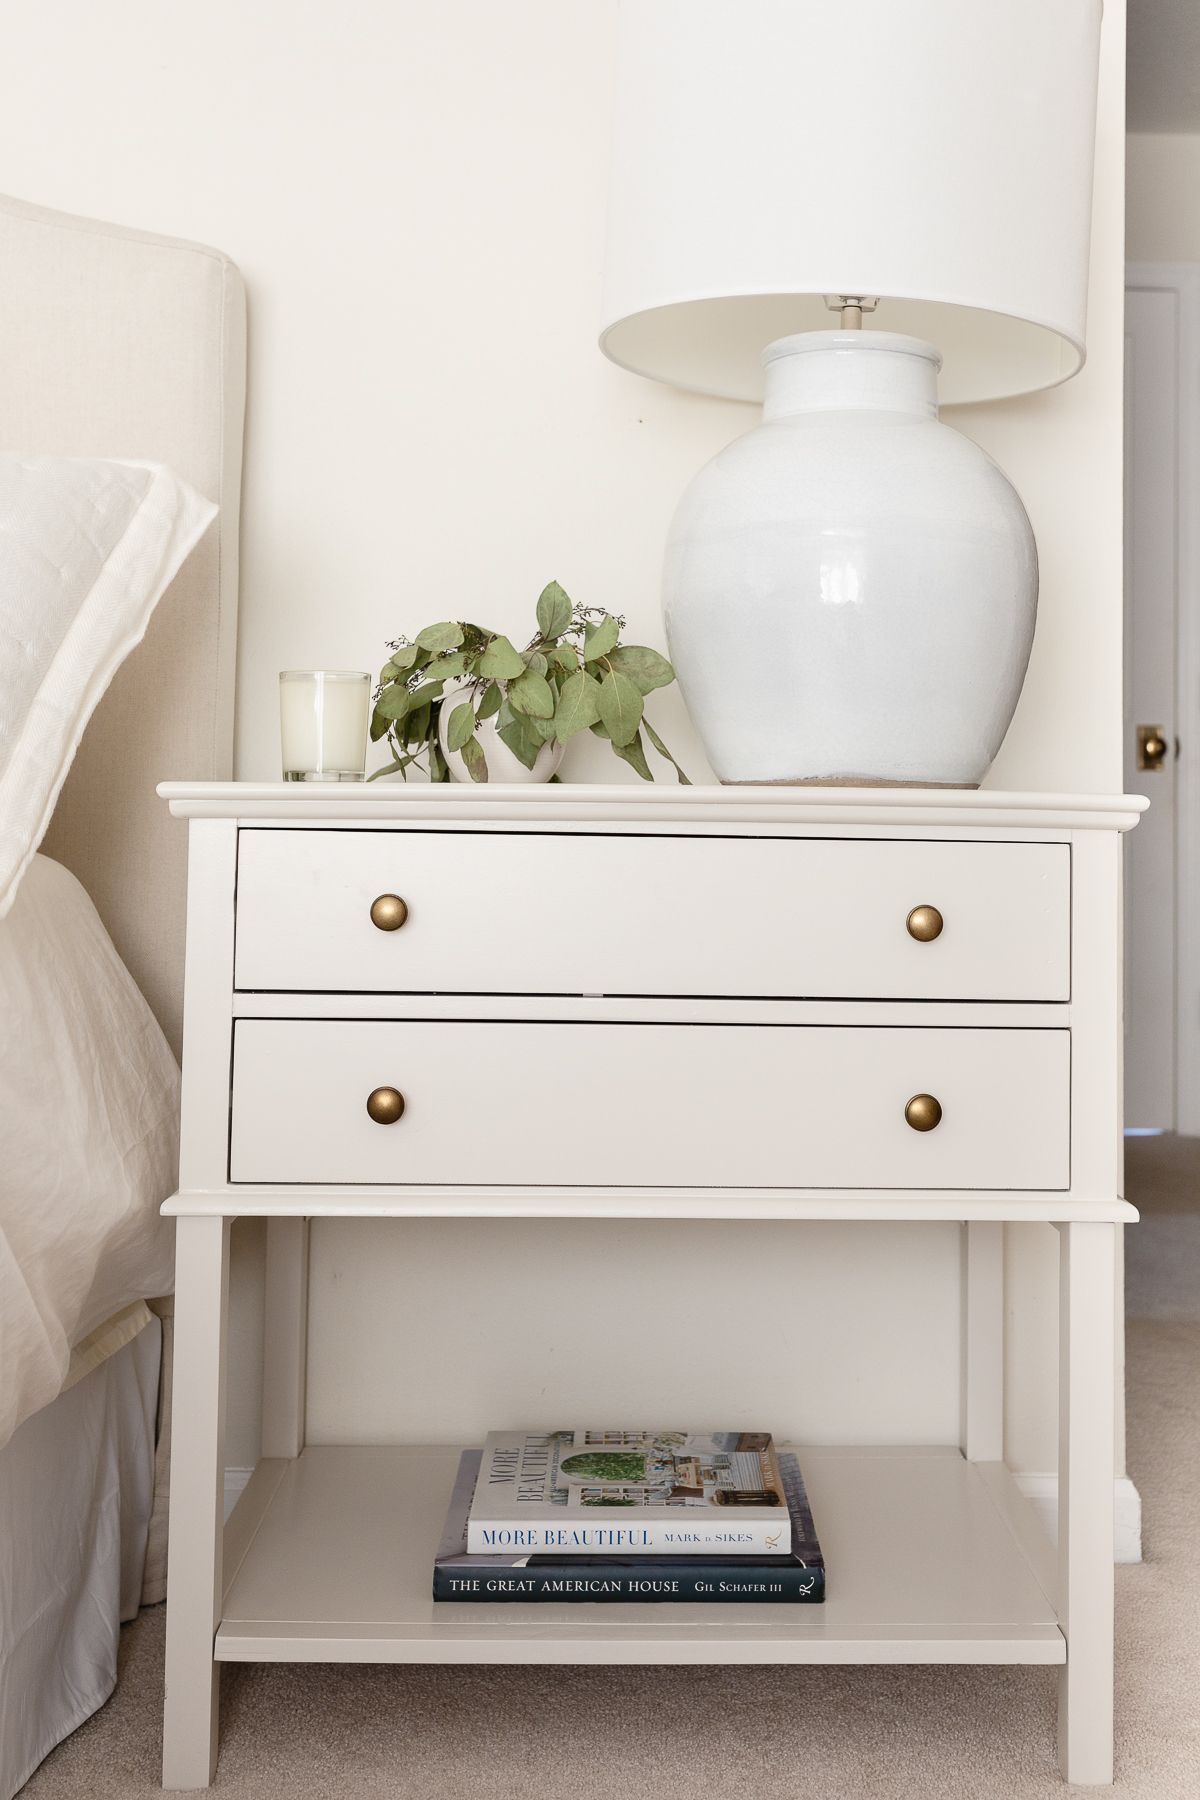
(785, 918)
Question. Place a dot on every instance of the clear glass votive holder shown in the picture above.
(323, 716)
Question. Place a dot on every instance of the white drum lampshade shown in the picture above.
(935, 156)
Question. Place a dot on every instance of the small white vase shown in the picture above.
(851, 589)
(502, 765)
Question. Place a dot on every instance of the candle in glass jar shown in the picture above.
(323, 717)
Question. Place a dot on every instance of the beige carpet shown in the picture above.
(673, 1734)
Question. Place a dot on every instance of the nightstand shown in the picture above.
(942, 970)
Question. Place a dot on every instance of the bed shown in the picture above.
(119, 345)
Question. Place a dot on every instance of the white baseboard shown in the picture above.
(1042, 1493)
(235, 1481)
(1040, 1490)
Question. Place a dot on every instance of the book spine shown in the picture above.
(651, 1537)
(702, 1584)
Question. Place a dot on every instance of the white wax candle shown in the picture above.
(323, 719)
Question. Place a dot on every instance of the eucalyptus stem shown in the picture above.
(575, 674)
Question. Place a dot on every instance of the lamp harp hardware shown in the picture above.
(852, 307)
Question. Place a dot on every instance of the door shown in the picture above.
(1162, 676)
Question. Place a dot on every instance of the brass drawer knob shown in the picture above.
(388, 912)
(924, 923)
(385, 1105)
(923, 1112)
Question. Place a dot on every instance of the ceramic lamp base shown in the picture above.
(855, 781)
(850, 590)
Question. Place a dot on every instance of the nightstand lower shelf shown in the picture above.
(931, 1559)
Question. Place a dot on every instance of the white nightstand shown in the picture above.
(946, 969)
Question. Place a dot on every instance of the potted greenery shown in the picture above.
(454, 692)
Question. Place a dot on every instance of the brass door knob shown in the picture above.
(388, 912)
(924, 923)
(385, 1105)
(1152, 747)
(923, 1112)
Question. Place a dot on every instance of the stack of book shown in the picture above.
(629, 1515)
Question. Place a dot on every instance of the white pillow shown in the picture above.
(86, 551)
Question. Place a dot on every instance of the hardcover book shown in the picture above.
(630, 1493)
(797, 1578)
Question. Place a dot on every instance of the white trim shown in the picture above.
(1183, 280)
(585, 805)
(1041, 1491)
(330, 1201)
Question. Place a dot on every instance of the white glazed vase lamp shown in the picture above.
(851, 589)
(885, 576)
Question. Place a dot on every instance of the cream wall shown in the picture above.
(415, 194)
(1162, 197)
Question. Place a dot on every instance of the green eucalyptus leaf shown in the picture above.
(645, 667)
(535, 661)
(620, 707)
(424, 694)
(476, 761)
(393, 702)
(492, 698)
(565, 656)
(461, 726)
(443, 667)
(635, 756)
(532, 694)
(601, 731)
(403, 761)
(379, 725)
(553, 611)
(438, 769)
(447, 636)
(501, 661)
(663, 751)
(521, 741)
(504, 713)
(387, 768)
(402, 658)
(416, 725)
(543, 729)
(599, 639)
(577, 706)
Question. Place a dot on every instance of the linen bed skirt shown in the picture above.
(77, 1505)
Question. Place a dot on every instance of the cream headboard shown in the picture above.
(114, 343)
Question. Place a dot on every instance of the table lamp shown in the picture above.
(823, 206)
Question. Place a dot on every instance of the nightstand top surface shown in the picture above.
(771, 806)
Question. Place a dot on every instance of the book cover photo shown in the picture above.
(630, 1493)
(795, 1578)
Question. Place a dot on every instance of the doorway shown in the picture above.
(1162, 696)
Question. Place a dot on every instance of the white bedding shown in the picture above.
(76, 1494)
(89, 1096)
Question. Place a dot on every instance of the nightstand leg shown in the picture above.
(983, 1342)
(197, 1491)
(1087, 1352)
(285, 1337)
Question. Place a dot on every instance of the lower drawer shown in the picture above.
(600, 1105)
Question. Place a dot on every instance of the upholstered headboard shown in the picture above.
(114, 343)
